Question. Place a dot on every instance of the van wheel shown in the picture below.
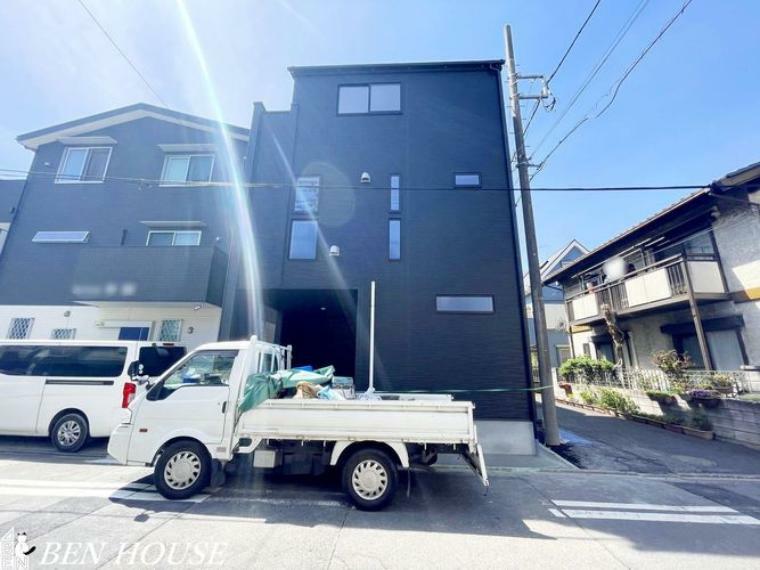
(69, 432)
(183, 470)
(370, 478)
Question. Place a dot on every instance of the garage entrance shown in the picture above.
(319, 323)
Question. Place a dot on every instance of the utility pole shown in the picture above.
(548, 405)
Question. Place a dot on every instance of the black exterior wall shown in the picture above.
(455, 241)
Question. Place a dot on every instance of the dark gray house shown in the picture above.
(396, 174)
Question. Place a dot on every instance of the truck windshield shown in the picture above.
(206, 368)
(158, 359)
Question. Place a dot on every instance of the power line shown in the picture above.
(615, 89)
(121, 52)
(595, 70)
(572, 43)
(150, 182)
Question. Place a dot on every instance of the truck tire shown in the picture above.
(69, 432)
(370, 478)
(182, 470)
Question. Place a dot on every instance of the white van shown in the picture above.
(71, 390)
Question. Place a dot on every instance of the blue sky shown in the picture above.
(688, 114)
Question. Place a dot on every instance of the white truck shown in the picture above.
(189, 427)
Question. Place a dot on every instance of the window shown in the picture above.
(158, 359)
(83, 164)
(20, 328)
(181, 169)
(385, 98)
(207, 368)
(63, 334)
(394, 240)
(303, 239)
(395, 193)
(170, 331)
(174, 238)
(307, 195)
(464, 304)
(134, 333)
(65, 361)
(61, 237)
(364, 99)
(467, 180)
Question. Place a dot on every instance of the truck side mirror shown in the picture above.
(134, 368)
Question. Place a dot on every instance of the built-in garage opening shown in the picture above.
(320, 324)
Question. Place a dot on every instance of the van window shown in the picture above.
(158, 359)
(66, 361)
(206, 368)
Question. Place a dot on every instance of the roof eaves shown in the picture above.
(386, 67)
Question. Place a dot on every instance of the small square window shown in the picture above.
(353, 99)
(170, 331)
(303, 239)
(307, 195)
(83, 164)
(20, 328)
(467, 180)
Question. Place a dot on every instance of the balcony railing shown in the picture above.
(660, 282)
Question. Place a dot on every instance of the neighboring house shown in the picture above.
(119, 233)
(554, 305)
(693, 267)
(396, 174)
(10, 193)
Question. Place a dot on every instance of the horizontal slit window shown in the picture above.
(61, 237)
(174, 238)
(464, 304)
(467, 180)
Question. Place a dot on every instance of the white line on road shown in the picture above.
(125, 493)
(661, 517)
(647, 507)
(36, 483)
(557, 513)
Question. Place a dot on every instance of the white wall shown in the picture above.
(90, 322)
(737, 234)
(751, 331)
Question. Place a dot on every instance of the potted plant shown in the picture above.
(708, 398)
(722, 383)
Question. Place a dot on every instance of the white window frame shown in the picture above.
(174, 233)
(28, 330)
(89, 149)
(85, 236)
(188, 156)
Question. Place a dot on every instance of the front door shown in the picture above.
(192, 401)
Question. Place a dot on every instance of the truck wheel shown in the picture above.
(370, 478)
(183, 470)
(69, 432)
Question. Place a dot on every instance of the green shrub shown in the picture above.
(585, 368)
(698, 420)
(589, 397)
(665, 398)
(671, 363)
(614, 400)
(675, 419)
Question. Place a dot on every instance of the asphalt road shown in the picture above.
(103, 515)
(607, 443)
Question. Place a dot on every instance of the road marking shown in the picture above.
(36, 483)
(290, 502)
(139, 492)
(661, 517)
(557, 513)
(646, 507)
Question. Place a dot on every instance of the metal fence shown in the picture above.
(643, 380)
